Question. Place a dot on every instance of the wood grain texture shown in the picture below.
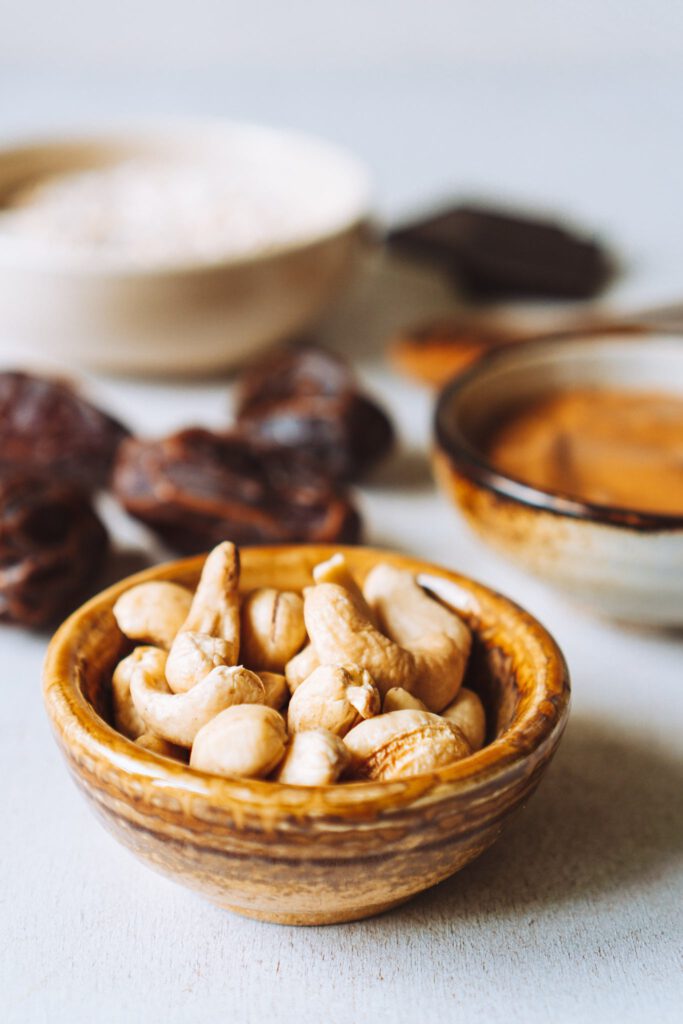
(311, 855)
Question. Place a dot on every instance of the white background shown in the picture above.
(571, 104)
(575, 915)
(269, 34)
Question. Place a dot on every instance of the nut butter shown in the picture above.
(607, 447)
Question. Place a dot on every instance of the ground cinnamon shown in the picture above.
(615, 448)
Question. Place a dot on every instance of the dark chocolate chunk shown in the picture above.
(497, 254)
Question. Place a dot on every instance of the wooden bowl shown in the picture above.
(299, 855)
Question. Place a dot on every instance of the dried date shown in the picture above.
(52, 545)
(302, 408)
(297, 370)
(197, 487)
(47, 428)
(309, 438)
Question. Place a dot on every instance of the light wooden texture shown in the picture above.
(313, 855)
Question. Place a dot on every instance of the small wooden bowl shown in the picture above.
(299, 855)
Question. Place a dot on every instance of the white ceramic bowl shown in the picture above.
(621, 563)
(192, 314)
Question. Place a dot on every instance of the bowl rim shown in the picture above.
(518, 749)
(472, 463)
(145, 130)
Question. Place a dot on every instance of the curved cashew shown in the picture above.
(403, 743)
(429, 664)
(300, 667)
(150, 741)
(340, 633)
(215, 606)
(439, 639)
(126, 718)
(273, 628)
(276, 689)
(153, 612)
(404, 608)
(248, 741)
(192, 656)
(397, 699)
(178, 717)
(316, 757)
(467, 712)
(334, 697)
(336, 570)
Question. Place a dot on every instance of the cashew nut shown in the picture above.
(178, 717)
(334, 697)
(273, 628)
(438, 638)
(341, 633)
(248, 741)
(192, 656)
(215, 606)
(300, 667)
(336, 570)
(367, 671)
(150, 741)
(316, 757)
(126, 718)
(404, 743)
(276, 689)
(467, 712)
(153, 612)
(397, 699)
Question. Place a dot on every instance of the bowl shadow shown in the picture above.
(408, 469)
(607, 817)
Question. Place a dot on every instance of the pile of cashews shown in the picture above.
(342, 683)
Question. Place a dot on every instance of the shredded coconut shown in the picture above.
(149, 211)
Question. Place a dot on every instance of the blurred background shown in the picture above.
(574, 104)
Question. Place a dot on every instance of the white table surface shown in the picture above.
(576, 914)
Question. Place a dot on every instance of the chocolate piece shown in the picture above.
(47, 428)
(52, 545)
(494, 253)
(196, 487)
(303, 409)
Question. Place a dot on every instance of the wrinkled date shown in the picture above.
(303, 429)
(52, 545)
(47, 428)
(312, 437)
(196, 487)
(302, 409)
(296, 371)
